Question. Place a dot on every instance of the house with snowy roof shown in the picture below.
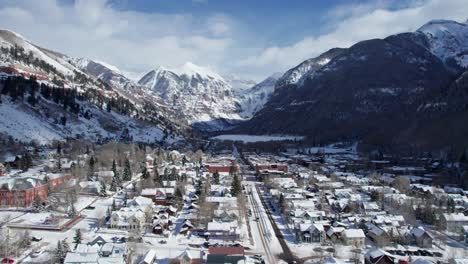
(378, 256)
(454, 222)
(127, 219)
(160, 196)
(354, 237)
(420, 237)
(311, 233)
(106, 253)
(222, 230)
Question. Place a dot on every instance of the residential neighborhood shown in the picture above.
(124, 203)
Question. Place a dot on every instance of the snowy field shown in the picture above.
(256, 138)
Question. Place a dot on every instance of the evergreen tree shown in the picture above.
(92, 162)
(108, 213)
(281, 203)
(235, 186)
(113, 207)
(216, 177)
(58, 253)
(125, 198)
(127, 173)
(65, 247)
(198, 187)
(174, 175)
(103, 191)
(144, 172)
(113, 185)
(178, 196)
(77, 238)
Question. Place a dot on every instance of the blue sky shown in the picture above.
(251, 39)
(274, 19)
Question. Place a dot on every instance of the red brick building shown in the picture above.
(212, 168)
(21, 192)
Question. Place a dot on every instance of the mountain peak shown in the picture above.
(447, 39)
(191, 69)
(436, 22)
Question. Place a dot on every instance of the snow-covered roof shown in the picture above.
(354, 233)
(455, 217)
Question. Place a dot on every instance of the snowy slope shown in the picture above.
(307, 68)
(253, 99)
(26, 126)
(9, 39)
(447, 40)
(145, 122)
(33, 124)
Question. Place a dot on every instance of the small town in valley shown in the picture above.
(127, 203)
(233, 132)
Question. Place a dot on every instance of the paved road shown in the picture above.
(260, 227)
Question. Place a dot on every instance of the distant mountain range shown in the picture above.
(407, 91)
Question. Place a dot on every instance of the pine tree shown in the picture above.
(216, 177)
(125, 198)
(113, 207)
(103, 191)
(58, 254)
(281, 203)
(65, 247)
(178, 196)
(174, 174)
(113, 185)
(127, 172)
(235, 186)
(108, 213)
(144, 172)
(92, 161)
(77, 238)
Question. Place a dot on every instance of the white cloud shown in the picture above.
(137, 41)
(133, 41)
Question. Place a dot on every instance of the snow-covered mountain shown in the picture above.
(238, 83)
(106, 72)
(253, 99)
(98, 103)
(448, 40)
(307, 68)
(201, 96)
(401, 92)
